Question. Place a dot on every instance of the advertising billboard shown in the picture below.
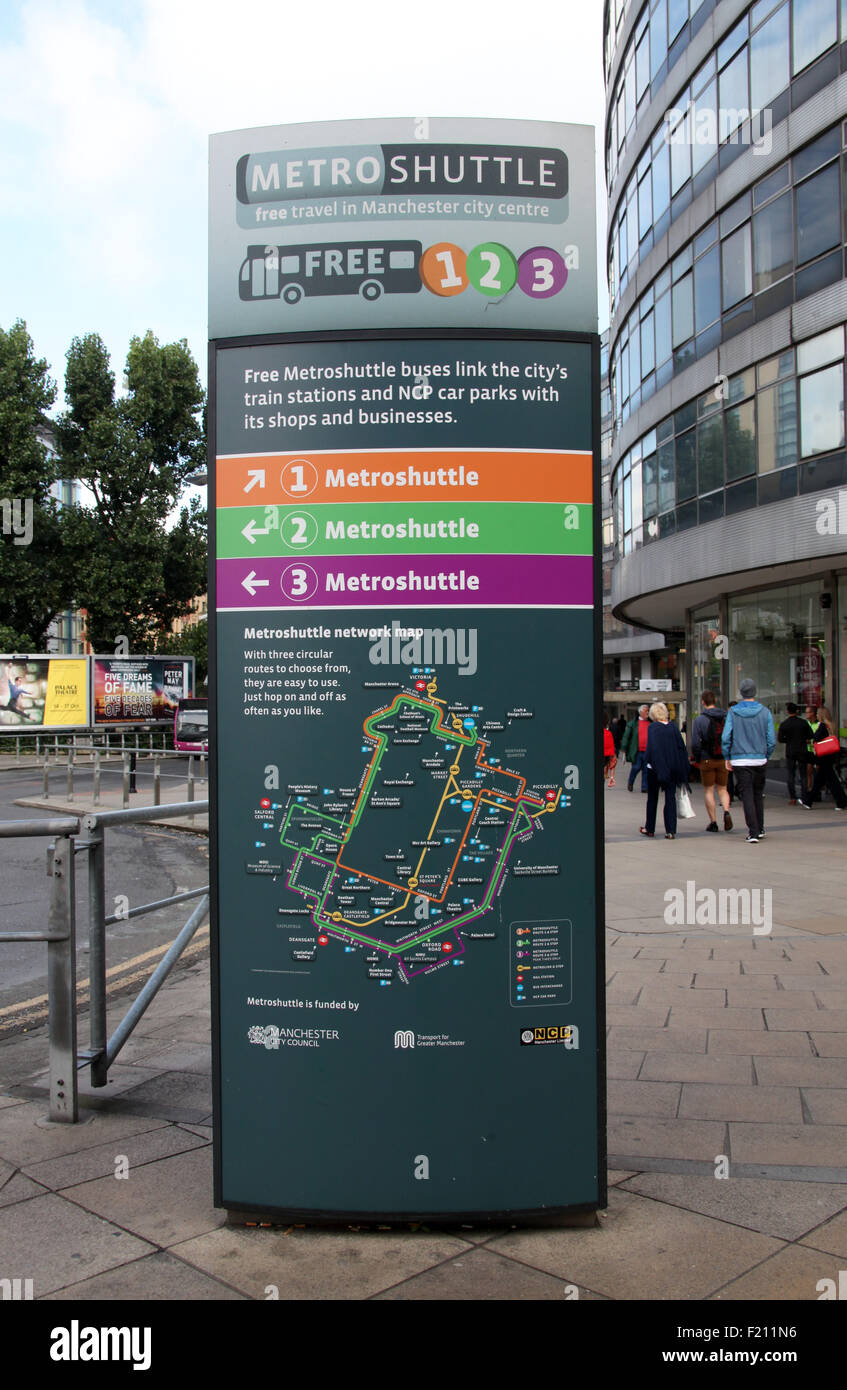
(409, 907)
(139, 689)
(43, 692)
(399, 223)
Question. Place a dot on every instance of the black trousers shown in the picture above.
(796, 767)
(669, 810)
(826, 775)
(750, 782)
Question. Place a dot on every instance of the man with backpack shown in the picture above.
(707, 753)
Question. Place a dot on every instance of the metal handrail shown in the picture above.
(61, 943)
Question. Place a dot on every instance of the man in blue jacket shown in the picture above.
(748, 740)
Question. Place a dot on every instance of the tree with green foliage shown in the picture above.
(36, 581)
(133, 572)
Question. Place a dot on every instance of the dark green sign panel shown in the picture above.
(406, 745)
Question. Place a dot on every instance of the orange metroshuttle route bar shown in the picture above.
(397, 475)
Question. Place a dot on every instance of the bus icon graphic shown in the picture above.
(368, 268)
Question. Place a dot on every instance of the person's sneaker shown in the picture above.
(712, 826)
(761, 834)
(629, 789)
(805, 805)
(752, 839)
(727, 821)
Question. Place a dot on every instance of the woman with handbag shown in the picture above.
(667, 769)
(827, 748)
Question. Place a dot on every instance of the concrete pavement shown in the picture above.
(727, 1066)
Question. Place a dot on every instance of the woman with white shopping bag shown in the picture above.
(667, 770)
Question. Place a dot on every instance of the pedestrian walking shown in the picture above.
(667, 769)
(610, 756)
(828, 756)
(634, 745)
(748, 740)
(811, 713)
(707, 754)
(796, 734)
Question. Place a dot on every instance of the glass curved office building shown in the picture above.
(726, 163)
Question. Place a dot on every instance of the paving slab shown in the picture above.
(825, 1107)
(650, 1137)
(691, 1066)
(101, 1162)
(55, 1243)
(154, 1278)
(18, 1188)
(643, 1250)
(659, 1098)
(792, 1275)
(800, 1071)
(621, 1065)
(27, 1136)
(173, 1093)
(136, 1202)
(766, 1103)
(832, 1236)
(819, 1020)
(756, 997)
(658, 1039)
(737, 1042)
(305, 1265)
(694, 1016)
(785, 1210)
(812, 1146)
(484, 1275)
(829, 1044)
(635, 1015)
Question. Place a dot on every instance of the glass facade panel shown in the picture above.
(661, 180)
(667, 479)
(734, 95)
(706, 662)
(776, 638)
(842, 655)
(769, 60)
(818, 215)
(814, 30)
(683, 310)
(686, 471)
(773, 242)
(740, 441)
(710, 454)
(737, 263)
(707, 294)
(777, 420)
(816, 352)
(822, 411)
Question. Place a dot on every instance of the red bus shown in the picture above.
(191, 726)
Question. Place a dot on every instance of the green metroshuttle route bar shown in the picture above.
(403, 528)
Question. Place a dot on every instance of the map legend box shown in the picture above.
(540, 962)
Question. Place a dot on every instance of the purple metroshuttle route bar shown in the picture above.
(415, 581)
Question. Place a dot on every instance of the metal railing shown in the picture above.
(60, 936)
(127, 764)
(140, 741)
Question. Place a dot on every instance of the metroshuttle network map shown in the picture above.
(409, 870)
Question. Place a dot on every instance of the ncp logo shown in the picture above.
(404, 1037)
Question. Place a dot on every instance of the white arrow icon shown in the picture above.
(251, 583)
(251, 531)
(256, 475)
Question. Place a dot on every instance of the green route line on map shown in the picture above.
(439, 732)
(436, 727)
(442, 927)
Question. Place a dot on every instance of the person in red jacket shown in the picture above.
(610, 754)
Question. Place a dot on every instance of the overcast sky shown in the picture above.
(106, 107)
